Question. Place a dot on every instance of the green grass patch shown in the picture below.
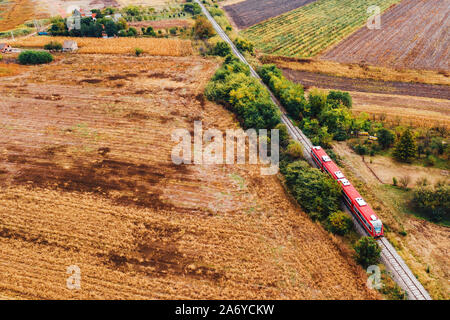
(401, 199)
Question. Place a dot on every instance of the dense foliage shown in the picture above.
(316, 192)
(406, 148)
(233, 86)
(35, 57)
(367, 251)
(339, 223)
(53, 46)
(433, 201)
(203, 29)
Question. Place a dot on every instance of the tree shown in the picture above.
(221, 49)
(435, 202)
(313, 189)
(203, 29)
(339, 223)
(337, 98)
(406, 148)
(367, 251)
(317, 102)
(192, 8)
(386, 138)
(295, 150)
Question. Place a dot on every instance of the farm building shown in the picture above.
(70, 45)
(4, 47)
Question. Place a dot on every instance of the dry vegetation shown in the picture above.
(86, 179)
(11, 69)
(360, 71)
(152, 46)
(403, 110)
(426, 246)
(14, 13)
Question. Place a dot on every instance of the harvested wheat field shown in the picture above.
(413, 34)
(86, 179)
(15, 12)
(152, 46)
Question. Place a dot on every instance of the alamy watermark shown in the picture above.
(73, 282)
(210, 147)
(374, 21)
(374, 280)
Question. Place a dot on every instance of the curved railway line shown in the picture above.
(389, 256)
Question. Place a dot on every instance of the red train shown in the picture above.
(353, 200)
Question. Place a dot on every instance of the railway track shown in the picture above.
(389, 256)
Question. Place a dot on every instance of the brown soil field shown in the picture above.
(86, 179)
(247, 13)
(311, 79)
(413, 34)
(152, 46)
(163, 24)
(405, 110)
(412, 104)
(55, 7)
(359, 70)
(426, 244)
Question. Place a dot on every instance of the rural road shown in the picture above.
(394, 263)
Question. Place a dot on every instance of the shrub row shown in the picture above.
(233, 87)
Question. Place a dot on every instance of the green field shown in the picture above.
(309, 30)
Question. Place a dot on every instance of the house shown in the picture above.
(69, 46)
(4, 47)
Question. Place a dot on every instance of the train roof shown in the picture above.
(358, 201)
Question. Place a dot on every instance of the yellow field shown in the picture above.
(16, 13)
(86, 179)
(152, 46)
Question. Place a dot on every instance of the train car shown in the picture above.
(361, 210)
(325, 163)
(353, 200)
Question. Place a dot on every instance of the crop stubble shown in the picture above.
(86, 179)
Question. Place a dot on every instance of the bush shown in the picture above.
(244, 45)
(53, 46)
(35, 57)
(404, 181)
(221, 49)
(367, 251)
(295, 150)
(337, 98)
(314, 190)
(138, 51)
(203, 29)
(434, 202)
(232, 86)
(192, 8)
(394, 181)
(386, 138)
(339, 223)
